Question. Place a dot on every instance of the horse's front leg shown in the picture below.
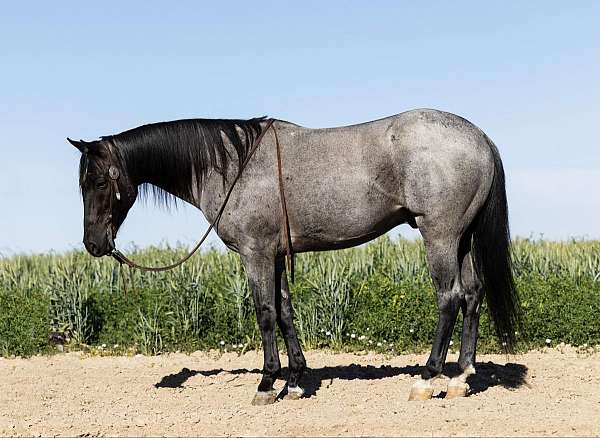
(285, 320)
(260, 270)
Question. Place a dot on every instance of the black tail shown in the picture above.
(492, 258)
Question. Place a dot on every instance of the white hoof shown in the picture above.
(457, 389)
(294, 393)
(458, 386)
(422, 389)
(264, 398)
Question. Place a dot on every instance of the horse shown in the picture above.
(342, 187)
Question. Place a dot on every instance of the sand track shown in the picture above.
(539, 393)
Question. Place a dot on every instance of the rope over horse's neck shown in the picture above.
(122, 259)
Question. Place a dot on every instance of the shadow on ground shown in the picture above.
(489, 374)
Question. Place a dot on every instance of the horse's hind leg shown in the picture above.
(442, 256)
(471, 306)
(285, 315)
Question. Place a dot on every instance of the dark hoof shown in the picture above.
(264, 398)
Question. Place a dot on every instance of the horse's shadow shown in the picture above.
(489, 374)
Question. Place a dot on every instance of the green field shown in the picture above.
(377, 297)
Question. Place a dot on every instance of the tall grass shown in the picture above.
(377, 296)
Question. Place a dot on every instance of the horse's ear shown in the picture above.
(83, 146)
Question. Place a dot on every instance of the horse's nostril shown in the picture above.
(91, 247)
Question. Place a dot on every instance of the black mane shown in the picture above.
(170, 158)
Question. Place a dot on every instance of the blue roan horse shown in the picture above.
(343, 186)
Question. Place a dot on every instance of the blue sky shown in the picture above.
(525, 72)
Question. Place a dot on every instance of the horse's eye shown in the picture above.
(101, 184)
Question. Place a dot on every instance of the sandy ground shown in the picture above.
(539, 393)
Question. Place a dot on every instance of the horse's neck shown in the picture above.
(211, 192)
(202, 190)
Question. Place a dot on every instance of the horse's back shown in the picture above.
(349, 184)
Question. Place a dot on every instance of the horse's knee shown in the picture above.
(267, 317)
(285, 318)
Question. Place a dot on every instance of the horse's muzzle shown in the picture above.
(99, 245)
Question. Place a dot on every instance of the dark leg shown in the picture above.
(442, 256)
(471, 307)
(443, 260)
(261, 277)
(285, 315)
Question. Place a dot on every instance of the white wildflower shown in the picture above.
(222, 342)
(379, 344)
(412, 330)
(548, 341)
(327, 333)
(451, 342)
(353, 336)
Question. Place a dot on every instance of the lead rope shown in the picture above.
(123, 281)
(286, 222)
(122, 259)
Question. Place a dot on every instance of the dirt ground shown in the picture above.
(553, 392)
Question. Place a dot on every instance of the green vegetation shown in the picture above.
(376, 297)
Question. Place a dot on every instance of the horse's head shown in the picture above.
(108, 193)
